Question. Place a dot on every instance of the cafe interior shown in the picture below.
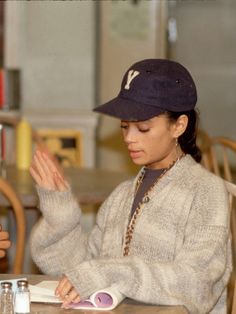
(60, 59)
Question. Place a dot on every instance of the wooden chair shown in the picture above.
(218, 154)
(204, 143)
(233, 306)
(223, 156)
(219, 157)
(65, 144)
(19, 215)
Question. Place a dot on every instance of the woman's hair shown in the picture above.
(187, 140)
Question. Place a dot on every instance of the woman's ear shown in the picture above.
(180, 125)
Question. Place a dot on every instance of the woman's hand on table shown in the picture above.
(66, 292)
(46, 172)
(5, 243)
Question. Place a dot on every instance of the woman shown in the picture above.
(161, 238)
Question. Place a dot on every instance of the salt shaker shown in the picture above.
(6, 298)
(22, 298)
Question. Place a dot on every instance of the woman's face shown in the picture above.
(152, 142)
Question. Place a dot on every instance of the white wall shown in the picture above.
(53, 43)
(206, 45)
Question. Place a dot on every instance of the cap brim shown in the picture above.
(127, 110)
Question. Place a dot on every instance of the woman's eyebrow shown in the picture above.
(145, 122)
(138, 123)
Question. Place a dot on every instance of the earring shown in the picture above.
(176, 142)
(177, 148)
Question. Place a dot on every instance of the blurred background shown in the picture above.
(63, 58)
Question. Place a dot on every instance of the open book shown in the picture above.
(105, 299)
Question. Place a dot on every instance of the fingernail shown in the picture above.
(65, 305)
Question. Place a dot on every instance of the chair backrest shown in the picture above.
(218, 155)
(18, 210)
(223, 154)
(65, 144)
(233, 298)
(204, 143)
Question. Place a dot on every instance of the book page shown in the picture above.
(105, 299)
(44, 292)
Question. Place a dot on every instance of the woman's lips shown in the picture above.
(135, 153)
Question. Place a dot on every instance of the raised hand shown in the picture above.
(66, 292)
(46, 172)
(5, 243)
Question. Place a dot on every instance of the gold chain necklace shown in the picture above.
(145, 199)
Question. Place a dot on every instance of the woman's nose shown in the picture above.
(129, 136)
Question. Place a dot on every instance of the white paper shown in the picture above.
(44, 292)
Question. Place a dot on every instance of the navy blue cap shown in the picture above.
(151, 87)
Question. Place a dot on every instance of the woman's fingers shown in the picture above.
(38, 171)
(34, 173)
(41, 173)
(59, 180)
(2, 253)
(77, 299)
(54, 168)
(46, 173)
(71, 297)
(66, 292)
(34, 170)
(61, 184)
(5, 243)
(63, 287)
(39, 165)
(4, 235)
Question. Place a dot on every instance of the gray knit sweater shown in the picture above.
(180, 253)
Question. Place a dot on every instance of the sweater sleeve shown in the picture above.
(58, 240)
(197, 276)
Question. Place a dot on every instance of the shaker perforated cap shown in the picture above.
(151, 87)
(6, 285)
(22, 283)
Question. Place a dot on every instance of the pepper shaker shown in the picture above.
(6, 298)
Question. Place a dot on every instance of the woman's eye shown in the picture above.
(144, 130)
(124, 126)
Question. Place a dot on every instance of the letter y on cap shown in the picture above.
(131, 75)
